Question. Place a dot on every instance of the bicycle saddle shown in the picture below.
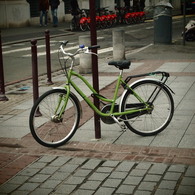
(122, 64)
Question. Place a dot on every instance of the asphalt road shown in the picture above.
(17, 45)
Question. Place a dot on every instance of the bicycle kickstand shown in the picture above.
(121, 125)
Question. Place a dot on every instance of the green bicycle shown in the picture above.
(146, 106)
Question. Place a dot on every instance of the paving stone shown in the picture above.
(90, 185)
(91, 164)
(77, 161)
(74, 180)
(39, 178)
(133, 180)
(110, 163)
(112, 183)
(60, 161)
(7, 188)
(188, 181)
(29, 186)
(177, 168)
(158, 169)
(29, 172)
(190, 171)
(18, 179)
(152, 178)
(49, 170)
(138, 172)
(186, 190)
(82, 173)
(50, 183)
(40, 191)
(148, 186)
(104, 191)
(143, 165)
(47, 159)
(98, 176)
(125, 166)
(104, 170)
(59, 176)
(68, 168)
(83, 192)
(172, 176)
(65, 189)
(38, 165)
(118, 175)
(167, 185)
(164, 192)
(140, 192)
(125, 189)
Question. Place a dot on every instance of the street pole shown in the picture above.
(184, 22)
(95, 66)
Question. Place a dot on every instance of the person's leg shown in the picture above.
(41, 18)
(55, 18)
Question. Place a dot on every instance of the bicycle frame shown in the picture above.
(111, 101)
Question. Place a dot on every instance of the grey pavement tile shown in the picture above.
(188, 181)
(49, 170)
(165, 184)
(148, 186)
(125, 166)
(187, 190)
(29, 171)
(177, 168)
(50, 183)
(138, 172)
(164, 191)
(154, 178)
(82, 173)
(47, 159)
(142, 192)
(83, 192)
(132, 180)
(143, 165)
(98, 176)
(90, 185)
(29, 186)
(110, 163)
(104, 170)
(8, 188)
(190, 171)
(68, 168)
(58, 175)
(118, 175)
(112, 183)
(60, 161)
(190, 130)
(172, 176)
(18, 179)
(188, 141)
(91, 164)
(65, 189)
(73, 180)
(125, 189)
(77, 161)
(40, 191)
(158, 169)
(104, 191)
(39, 178)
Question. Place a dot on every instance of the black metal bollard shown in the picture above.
(48, 57)
(34, 70)
(2, 84)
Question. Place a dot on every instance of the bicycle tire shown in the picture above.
(46, 129)
(83, 27)
(161, 115)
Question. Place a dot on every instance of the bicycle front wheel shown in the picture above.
(160, 99)
(50, 128)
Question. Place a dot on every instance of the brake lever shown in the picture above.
(89, 52)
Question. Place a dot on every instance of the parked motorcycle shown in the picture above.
(189, 31)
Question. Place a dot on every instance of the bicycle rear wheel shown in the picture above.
(161, 101)
(47, 128)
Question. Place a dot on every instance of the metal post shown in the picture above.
(2, 84)
(34, 70)
(184, 21)
(48, 57)
(95, 66)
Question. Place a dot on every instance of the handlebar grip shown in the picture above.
(64, 43)
(94, 47)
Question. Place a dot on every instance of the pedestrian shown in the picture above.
(142, 5)
(74, 7)
(127, 3)
(54, 8)
(43, 8)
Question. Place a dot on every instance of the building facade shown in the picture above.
(16, 13)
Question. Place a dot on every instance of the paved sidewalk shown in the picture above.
(118, 163)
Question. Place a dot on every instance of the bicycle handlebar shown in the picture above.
(82, 48)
